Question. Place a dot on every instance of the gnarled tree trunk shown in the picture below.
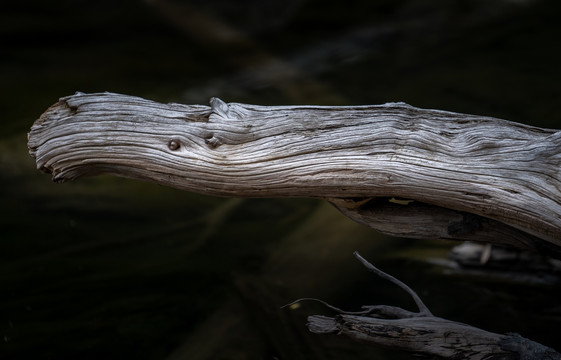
(470, 177)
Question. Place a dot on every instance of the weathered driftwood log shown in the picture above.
(423, 333)
(471, 177)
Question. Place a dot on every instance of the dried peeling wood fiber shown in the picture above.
(470, 177)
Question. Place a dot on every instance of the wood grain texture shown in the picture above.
(494, 169)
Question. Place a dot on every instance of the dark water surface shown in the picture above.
(108, 268)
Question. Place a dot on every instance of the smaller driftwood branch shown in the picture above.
(423, 333)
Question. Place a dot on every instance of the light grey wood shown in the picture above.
(454, 163)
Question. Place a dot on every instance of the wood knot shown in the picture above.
(174, 144)
(213, 142)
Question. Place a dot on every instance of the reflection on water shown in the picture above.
(112, 268)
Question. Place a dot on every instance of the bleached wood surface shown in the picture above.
(359, 157)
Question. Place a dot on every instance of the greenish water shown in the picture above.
(108, 268)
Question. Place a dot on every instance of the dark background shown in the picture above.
(108, 268)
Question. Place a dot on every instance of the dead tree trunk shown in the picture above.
(470, 177)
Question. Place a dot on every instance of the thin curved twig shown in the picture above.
(423, 309)
(334, 308)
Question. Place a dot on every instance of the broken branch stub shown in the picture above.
(355, 156)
